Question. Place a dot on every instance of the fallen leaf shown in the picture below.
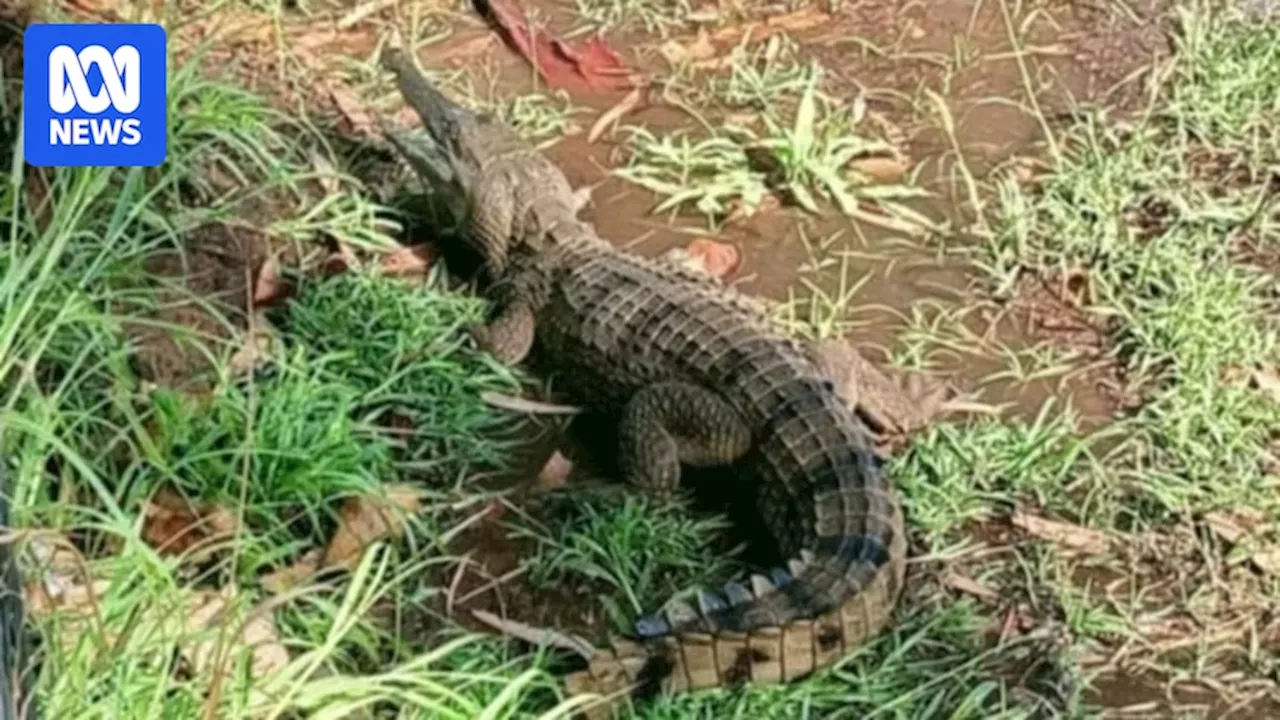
(359, 121)
(464, 48)
(1233, 526)
(611, 116)
(804, 19)
(682, 258)
(880, 170)
(340, 260)
(720, 259)
(589, 66)
(1268, 381)
(255, 346)
(325, 172)
(1242, 528)
(270, 287)
(174, 525)
(1076, 537)
(536, 636)
(554, 474)
(969, 586)
(533, 407)
(289, 577)
(1267, 560)
(364, 520)
(413, 261)
(361, 12)
(206, 610)
(678, 53)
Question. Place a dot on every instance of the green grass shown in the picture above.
(804, 157)
(633, 553)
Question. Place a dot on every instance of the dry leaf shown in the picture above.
(205, 611)
(804, 19)
(287, 578)
(341, 260)
(361, 12)
(1242, 526)
(533, 407)
(255, 348)
(584, 66)
(365, 520)
(969, 586)
(174, 525)
(1086, 540)
(1267, 560)
(881, 170)
(718, 258)
(554, 474)
(462, 49)
(1233, 526)
(610, 117)
(412, 261)
(536, 636)
(678, 53)
(270, 287)
(680, 257)
(325, 172)
(358, 118)
(1268, 381)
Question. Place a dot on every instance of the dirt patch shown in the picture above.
(489, 577)
(202, 294)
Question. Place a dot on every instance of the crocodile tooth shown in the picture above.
(796, 567)
(680, 613)
(710, 602)
(652, 625)
(760, 586)
(737, 594)
(806, 557)
(780, 577)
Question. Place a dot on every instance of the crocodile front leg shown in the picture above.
(673, 422)
(509, 334)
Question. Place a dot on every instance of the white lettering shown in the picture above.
(69, 85)
(59, 132)
(95, 131)
(132, 131)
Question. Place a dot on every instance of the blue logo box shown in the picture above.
(94, 95)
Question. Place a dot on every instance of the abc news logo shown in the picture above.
(69, 89)
(95, 95)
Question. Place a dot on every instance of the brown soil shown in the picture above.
(203, 288)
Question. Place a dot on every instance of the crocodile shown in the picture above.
(693, 375)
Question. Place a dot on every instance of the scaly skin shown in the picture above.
(694, 376)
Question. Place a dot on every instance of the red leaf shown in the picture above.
(407, 261)
(717, 258)
(590, 66)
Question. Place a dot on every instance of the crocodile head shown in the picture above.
(476, 167)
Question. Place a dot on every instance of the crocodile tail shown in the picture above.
(714, 656)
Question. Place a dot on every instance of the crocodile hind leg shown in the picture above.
(669, 423)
